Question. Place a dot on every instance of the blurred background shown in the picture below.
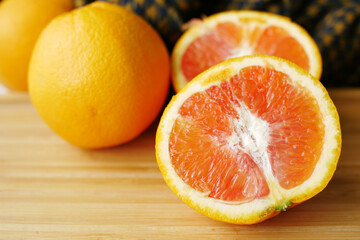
(334, 25)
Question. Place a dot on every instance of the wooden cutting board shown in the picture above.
(52, 190)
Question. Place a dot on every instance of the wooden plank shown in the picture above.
(52, 190)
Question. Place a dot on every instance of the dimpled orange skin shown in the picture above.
(99, 75)
(21, 23)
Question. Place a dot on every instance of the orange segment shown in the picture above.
(270, 38)
(194, 108)
(239, 33)
(276, 41)
(210, 49)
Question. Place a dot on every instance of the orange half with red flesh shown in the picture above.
(238, 33)
(248, 138)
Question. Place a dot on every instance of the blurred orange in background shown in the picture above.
(21, 23)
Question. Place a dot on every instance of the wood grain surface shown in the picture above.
(52, 190)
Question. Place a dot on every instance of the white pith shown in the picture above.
(258, 20)
(242, 51)
(242, 211)
(251, 135)
(245, 48)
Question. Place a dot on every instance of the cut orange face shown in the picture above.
(239, 33)
(249, 138)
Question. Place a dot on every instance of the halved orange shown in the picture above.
(238, 33)
(249, 138)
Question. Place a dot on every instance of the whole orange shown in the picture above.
(99, 75)
(21, 23)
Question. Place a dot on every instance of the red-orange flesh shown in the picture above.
(228, 39)
(199, 141)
